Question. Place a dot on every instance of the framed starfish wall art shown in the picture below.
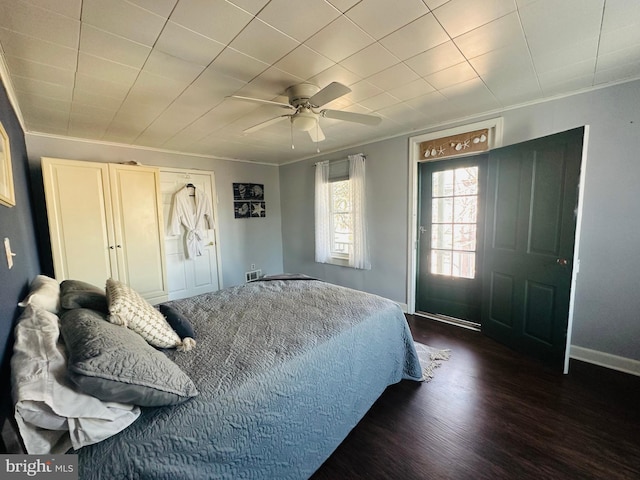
(248, 200)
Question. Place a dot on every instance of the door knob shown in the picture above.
(562, 262)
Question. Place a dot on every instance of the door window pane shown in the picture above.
(442, 210)
(441, 262)
(454, 215)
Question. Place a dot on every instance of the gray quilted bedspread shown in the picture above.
(285, 369)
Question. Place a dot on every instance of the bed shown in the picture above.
(284, 369)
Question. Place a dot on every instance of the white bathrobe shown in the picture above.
(194, 216)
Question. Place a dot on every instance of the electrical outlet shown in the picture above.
(253, 266)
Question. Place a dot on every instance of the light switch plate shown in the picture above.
(10, 254)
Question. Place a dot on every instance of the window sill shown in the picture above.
(342, 262)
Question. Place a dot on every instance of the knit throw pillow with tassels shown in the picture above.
(128, 308)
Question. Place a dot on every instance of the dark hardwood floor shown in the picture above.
(490, 413)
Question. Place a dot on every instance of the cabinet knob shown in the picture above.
(111, 247)
(119, 246)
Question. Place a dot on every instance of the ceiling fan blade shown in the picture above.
(265, 124)
(263, 102)
(329, 93)
(316, 134)
(362, 118)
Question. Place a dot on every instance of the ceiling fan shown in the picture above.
(305, 101)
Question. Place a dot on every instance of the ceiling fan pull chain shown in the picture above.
(293, 147)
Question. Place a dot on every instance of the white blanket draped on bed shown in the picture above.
(51, 415)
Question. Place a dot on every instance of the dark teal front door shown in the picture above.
(451, 217)
(532, 195)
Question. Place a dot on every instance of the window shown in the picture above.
(341, 219)
(454, 210)
(340, 214)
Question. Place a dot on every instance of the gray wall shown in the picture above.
(242, 241)
(607, 303)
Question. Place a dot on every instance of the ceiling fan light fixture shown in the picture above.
(304, 120)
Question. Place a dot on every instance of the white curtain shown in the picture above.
(359, 257)
(322, 213)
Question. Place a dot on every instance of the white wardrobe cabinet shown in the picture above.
(105, 220)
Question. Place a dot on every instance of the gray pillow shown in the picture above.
(79, 294)
(116, 364)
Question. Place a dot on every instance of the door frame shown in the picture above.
(495, 127)
(214, 201)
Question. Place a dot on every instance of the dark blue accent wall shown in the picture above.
(16, 223)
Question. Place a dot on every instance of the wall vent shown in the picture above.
(252, 275)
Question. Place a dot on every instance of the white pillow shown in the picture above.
(51, 415)
(44, 292)
(128, 308)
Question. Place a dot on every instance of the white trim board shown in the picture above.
(622, 364)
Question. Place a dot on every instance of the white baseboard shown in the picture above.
(404, 307)
(622, 364)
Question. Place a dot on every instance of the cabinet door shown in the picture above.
(80, 220)
(138, 225)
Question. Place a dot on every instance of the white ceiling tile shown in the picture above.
(512, 86)
(461, 16)
(181, 42)
(473, 94)
(45, 89)
(620, 14)
(219, 20)
(452, 76)
(619, 58)
(271, 82)
(238, 65)
(379, 101)
(36, 50)
(565, 85)
(343, 5)
(362, 90)
(370, 60)
(563, 56)
(211, 88)
(69, 8)
(433, 4)
(503, 32)
(39, 23)
(150, 88)
(300, 20)
(159, 7)
(403, 114)
(567, 73)
(620, 39)
(412, 90)
(160, 63)
(395, 76)
(617, 73)
(435, 59)
(303, 62)
(572, 21)
(336, 73)
(251, 6)
(124, 19)
(263, 42)
(416, 37)
(512, 58)
(105, 69)
(89, 85)
(28, 69)
(35, 102)
(102, 102)
(380, 17)
(106, 45)
(340, 39)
